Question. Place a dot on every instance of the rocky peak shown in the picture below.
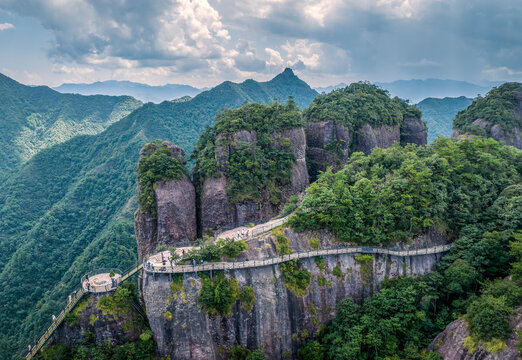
(168, 216)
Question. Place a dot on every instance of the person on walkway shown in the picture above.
(183, 252)
(29, 348)
(70, 299)
(148, 265)
(242, 233)
(53, 318)
(113, 282)
(238, 234)
(88, 286)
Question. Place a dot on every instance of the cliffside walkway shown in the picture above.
(175, 269)
(75, 298)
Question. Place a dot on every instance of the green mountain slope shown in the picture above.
(500, 106)
(34, 118)
(439, 114)
(70, 207)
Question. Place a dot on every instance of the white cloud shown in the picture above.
(129, 34)
(6, 26)
(502, 73)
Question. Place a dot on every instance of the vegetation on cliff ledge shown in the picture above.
(479, 196)
(156, 164)
(396, 193)
(263, 164)
(360, 103)
(500, 106)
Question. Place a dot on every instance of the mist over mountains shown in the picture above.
(417, 90)
(143, 92)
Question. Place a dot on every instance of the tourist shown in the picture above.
(53, 318)
(242, 233)
(238, 234)
(29, 348)
(88, 286)
(70, 299)
(148, 265)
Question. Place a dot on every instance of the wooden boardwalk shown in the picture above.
(176, 269)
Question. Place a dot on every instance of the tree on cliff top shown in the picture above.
(500, 106)
(360, 103)
(251, 166)
(156, 163)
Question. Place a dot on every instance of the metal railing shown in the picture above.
(75, 297)
(173, 269)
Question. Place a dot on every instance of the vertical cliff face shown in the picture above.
(218, 211)
(279, 320)
(94, 321)
(414, 131)
(360, 117)
(172, 219)
(320, 137)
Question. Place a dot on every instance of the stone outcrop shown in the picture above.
(218, 213)
(319, 136)
(175, 222)
(382, 136)
(89, 324)
(450, 343)
(414, 131)
(512, 137)
(279, 318)
(330, 144)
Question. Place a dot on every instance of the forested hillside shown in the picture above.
(34, 118)
(70, 207)
(439, 114)
(467, 190)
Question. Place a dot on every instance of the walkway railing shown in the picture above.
(61, 316)
(75, 297)
(174, 269)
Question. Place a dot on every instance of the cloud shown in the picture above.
(325, 40)
(6, 26)
(128, 33)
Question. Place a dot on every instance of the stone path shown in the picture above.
(174, 269)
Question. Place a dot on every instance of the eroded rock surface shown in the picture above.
(175, 221)
(279, 317)
(414, 131)
(217, 213)
(450, 342)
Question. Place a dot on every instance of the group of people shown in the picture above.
(242, 234)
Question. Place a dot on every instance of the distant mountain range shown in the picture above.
(143, 92)
(439, 114)
(417, 90)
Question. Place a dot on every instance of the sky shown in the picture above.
(205, 42)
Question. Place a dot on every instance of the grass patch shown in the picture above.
(319, 261)
(296, 277)
(314, 243)
(337, 271)
(282, 242)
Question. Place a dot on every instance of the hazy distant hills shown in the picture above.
(70, 207)
(439, 114)
(143, 92)
(417, 90)
(34, 118)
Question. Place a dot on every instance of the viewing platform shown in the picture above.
(100, 280)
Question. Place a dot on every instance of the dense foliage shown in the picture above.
(156, 164)
(360, 103)
(500, 106)
(264, 164)
(70, 207)
(396, 193)
(469, 282)
(439, 114)
(219, 293)
(34, 118)
(296, 277)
